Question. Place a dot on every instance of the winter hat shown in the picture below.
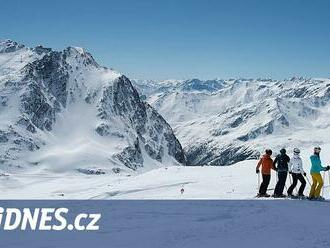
(283, 151)
(269, 152)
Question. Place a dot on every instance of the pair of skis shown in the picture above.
(296, 197)
(299, 198)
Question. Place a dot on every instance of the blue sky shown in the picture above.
(182, 39)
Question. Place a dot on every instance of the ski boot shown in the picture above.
(302, 197)
(292, 196)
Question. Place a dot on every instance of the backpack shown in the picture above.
(282, 162)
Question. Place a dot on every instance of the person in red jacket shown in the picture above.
(266, 163)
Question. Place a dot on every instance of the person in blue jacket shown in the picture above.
(316, 175)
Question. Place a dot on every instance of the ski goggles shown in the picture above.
(317, 148)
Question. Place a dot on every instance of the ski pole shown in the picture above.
(276, 183)
(295, 188)
(286, 188)
(289, 181)
(309, 182)
(258, 181)
(323, 183)
(329, 178)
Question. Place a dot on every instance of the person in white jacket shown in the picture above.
(297, 171)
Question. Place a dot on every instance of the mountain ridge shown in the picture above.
(45, 92)
(237, 121)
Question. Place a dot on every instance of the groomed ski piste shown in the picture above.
(155, 182)
(236, 182)
(216, 209)
(224, 212)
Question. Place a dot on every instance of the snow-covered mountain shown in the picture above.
(220, 122)
(149, 87)
(62, 111)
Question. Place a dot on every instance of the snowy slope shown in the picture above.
(65, 120)
(221, 122)
(238, 181)
(61, 111)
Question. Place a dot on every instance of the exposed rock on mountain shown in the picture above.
(63, 111)
(220, 122)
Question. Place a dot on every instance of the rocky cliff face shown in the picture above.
(63, 108)
(221, 122)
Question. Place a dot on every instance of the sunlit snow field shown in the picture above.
(238, 181)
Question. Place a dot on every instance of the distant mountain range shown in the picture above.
(61, 111)
(221, 122)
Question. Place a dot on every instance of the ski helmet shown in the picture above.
(317, 149)
(269, 152)
(296, 151)
(283, 151)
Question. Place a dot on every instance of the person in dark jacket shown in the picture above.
(281, 163)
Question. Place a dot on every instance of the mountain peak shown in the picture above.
(8, 46)
(68, 95)
(41, 49)
(79, 52)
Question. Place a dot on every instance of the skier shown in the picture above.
(297, 172)
(316, 175)
(282, 168)
(267, 164)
